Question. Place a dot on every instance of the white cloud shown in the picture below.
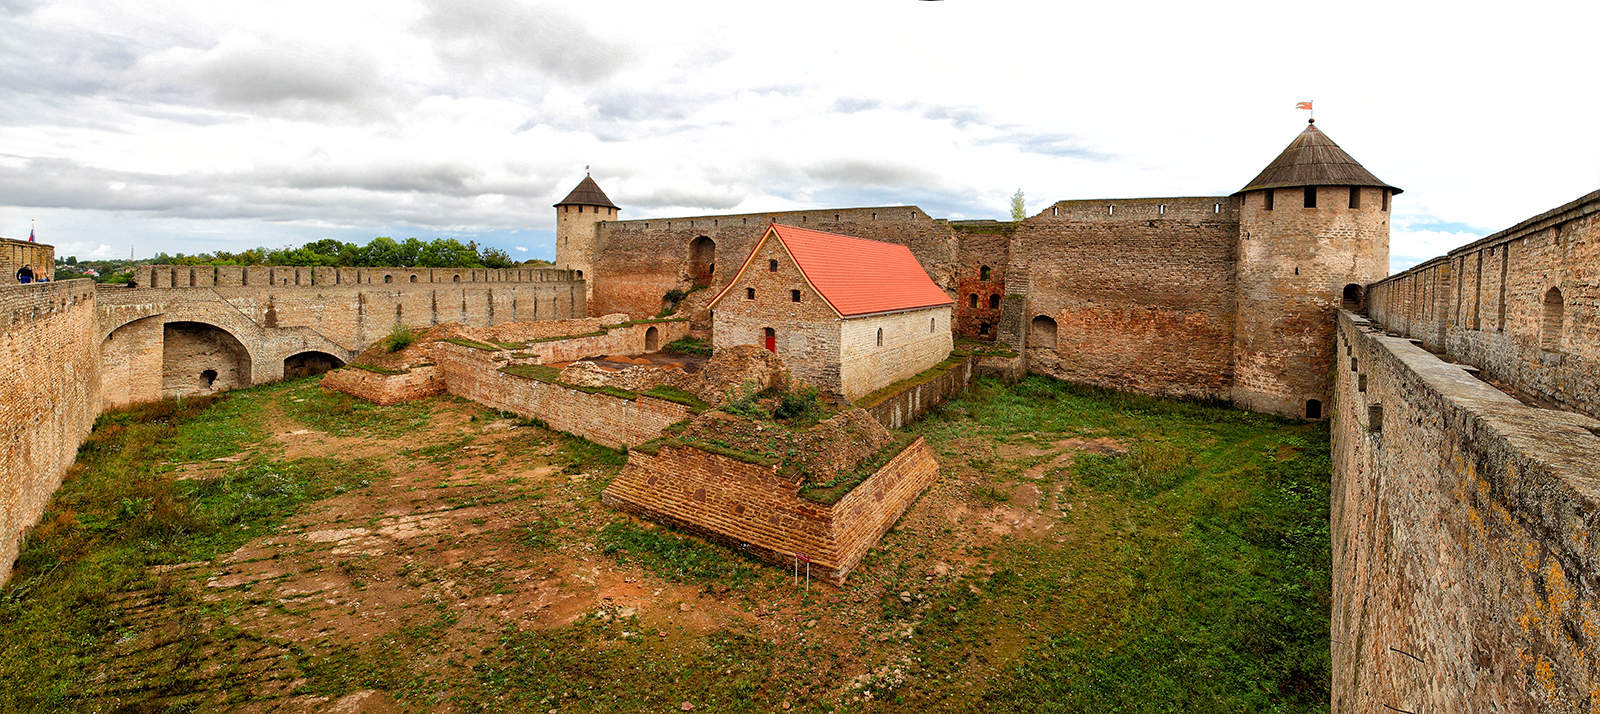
(522, 249)
(231, 125)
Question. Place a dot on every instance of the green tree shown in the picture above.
(1019, 209)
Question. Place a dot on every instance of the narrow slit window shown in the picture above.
(772, 266)
(1162, 209)
(1386, 199)
(1267, 199)
(749, 293)
(880, 337)
(1311, 197)
(1355, 196)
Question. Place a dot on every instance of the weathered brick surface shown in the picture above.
(1466, 539)
(1142, 299)
(48, 400)
(602, 418)
(638, 261)
(18, 254)
(752, 508)
(386, 389)
(1293, 265)
(984, 251)
(1484, 304)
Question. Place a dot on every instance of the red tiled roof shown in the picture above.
(855, 275)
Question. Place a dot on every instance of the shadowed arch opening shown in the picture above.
(1042, 332)
(306, 364)
(197, 357)
(702, 259)
(1313, 409)
(1350, 299)
(1550, 325)
(652, 339)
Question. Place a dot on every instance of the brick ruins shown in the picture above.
(1462, 394)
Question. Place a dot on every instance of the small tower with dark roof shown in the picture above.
(578, 217)
(1313, 232)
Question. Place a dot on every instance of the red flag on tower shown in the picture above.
(30, 234)
(1303, 105)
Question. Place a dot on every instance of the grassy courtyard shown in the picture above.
(282, 547)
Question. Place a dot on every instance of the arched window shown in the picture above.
(972, 300)
(994, 302)
(455, 278)
(413, 277)
(880, 337)
(1042, 332)
(388, 278)
(1554, 315)
(652, 339)
(983, 273)
(1313, 409)
(932, 321)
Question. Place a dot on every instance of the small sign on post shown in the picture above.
(801, 558)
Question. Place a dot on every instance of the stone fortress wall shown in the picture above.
(39, 258)
(1465, 513)
(183, 323)
(48, 400)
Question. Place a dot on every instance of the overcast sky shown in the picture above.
(218, 125)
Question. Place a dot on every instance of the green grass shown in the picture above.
(375, 368)
(474, 344)
(689, 346)
(121, 511)
(829, 492)
(673, 556)
(674, 394)
(340, 414)
(1194, 576)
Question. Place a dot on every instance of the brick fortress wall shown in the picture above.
(1141, 292)
(638, 261)
(18, 254)
(1490, 304)
(49, 399)
(1466, 539)
(749, 507)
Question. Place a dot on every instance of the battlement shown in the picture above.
(1205, 208)
(205, 276)
(21, 304)
(794, 218)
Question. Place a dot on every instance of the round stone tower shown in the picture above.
(577, 227)
(1313, 233)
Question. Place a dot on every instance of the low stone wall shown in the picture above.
(603, 418)
(48, 399)
(386, 389)
(617, 340)
(750, 507)
(899, 408)
(1466, 539)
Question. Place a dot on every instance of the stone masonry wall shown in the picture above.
(1142, 297)
(602, 418)
(17, 254)
(912, 342)
(980, 281)
(806, 332)
(638, 261)
(1466, 539)
(905, 407)
(48, 400)
(386, 389)
(750, 507)
(1485, 304)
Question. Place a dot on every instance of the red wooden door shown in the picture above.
(772, 340)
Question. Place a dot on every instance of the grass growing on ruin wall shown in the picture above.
(831, 491)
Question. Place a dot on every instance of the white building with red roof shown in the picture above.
(847, 314)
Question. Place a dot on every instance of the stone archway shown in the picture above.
(652, 339)
(307, 364)
(201, 358)
(702, 259)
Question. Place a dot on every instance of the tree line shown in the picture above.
(380, 252)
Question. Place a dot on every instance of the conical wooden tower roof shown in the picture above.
(587, 193)
(1312, 159)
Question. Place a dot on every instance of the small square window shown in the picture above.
(749, 293)
(794, 296)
